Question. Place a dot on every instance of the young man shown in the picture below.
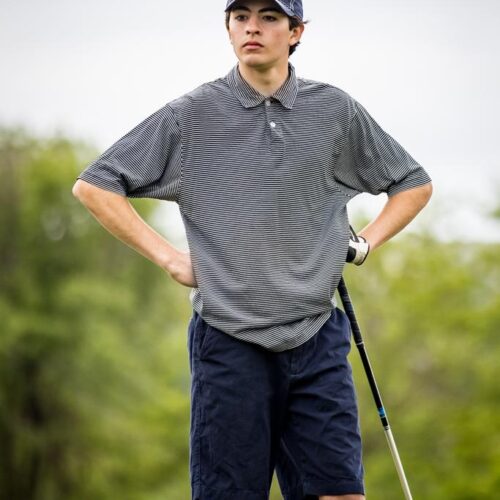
(262, 165)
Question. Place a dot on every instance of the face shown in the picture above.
(260, 34)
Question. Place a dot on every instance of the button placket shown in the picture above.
(271, 121)
(273, 124)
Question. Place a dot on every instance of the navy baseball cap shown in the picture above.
(292, 8)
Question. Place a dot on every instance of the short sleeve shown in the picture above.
(371, 161)
(144, 163)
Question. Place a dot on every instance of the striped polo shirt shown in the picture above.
(262, 185)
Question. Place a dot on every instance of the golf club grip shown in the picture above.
(349, 310)
(358, 339)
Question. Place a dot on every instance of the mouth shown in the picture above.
(253, 45)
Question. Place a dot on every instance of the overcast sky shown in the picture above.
(427, 70)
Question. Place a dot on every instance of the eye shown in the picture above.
(269, 18)
(240, 17)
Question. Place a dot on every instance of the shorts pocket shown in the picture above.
(204, 332)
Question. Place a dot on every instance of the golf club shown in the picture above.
(358, 339)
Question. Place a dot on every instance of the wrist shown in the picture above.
(167, 258)
(369, 240)
(362, 247)
(358, 250)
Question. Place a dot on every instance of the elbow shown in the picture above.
(75, 190)
(427, 190)
(421, 196)
(78, 190)
(84, 192)
(91, 196)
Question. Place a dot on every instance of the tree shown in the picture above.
(93, 382)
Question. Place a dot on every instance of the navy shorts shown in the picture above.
(254, 411)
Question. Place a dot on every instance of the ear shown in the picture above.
(296, 34)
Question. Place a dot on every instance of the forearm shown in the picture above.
(115, 213)
(397, 213)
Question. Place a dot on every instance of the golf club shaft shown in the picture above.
(358, 340)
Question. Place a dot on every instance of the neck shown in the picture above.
(265, 81)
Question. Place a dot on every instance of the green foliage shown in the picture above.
(94, 382)
(94, 375)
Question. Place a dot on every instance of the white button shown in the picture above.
(268, 102)
(273, 125)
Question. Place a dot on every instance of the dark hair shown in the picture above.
(294, 22)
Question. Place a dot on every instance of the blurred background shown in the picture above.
(94, 373)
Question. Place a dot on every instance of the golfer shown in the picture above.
(262, 164)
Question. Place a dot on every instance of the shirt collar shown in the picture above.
(249, 97)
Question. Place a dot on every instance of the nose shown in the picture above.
(252, 27)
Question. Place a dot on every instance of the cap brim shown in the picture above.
(282, 7)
